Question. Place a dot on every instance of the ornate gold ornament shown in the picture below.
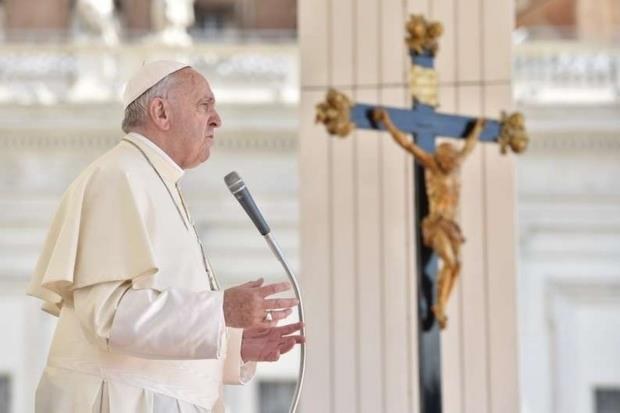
(335, 113)
(423, 35)
(512, 134)
(440, 231)
(424, 84)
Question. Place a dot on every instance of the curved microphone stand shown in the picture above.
(300, 310)
(239, 190)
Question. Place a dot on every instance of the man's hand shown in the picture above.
(268, 344)
(247, 306)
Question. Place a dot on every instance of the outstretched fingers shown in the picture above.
(280, 303)
(479, 125)
(271, 289)
(290, 328)
(287, 343)
(378, 114)
(277, 315)
(253, 284)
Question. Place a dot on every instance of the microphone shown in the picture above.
(237, 187)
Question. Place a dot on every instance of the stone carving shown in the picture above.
(171, 19)
(335, 113)
(423, 35)
(96, 17)
(512, 134)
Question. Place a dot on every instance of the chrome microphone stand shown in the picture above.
(300, 311)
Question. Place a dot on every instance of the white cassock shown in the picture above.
(140, 327)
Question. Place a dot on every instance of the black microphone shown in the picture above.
(237, 187)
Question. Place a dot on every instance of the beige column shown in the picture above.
(598, 19)
(35, 15)
(276, 14)
(357, 246)
(136, 15)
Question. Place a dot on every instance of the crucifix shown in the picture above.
(437, 182)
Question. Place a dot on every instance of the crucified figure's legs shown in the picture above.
(447, 275)
(457, 268)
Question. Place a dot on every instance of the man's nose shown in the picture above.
(216, 120)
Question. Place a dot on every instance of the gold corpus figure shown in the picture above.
(423, 35)
(335, 113)
(440, 231)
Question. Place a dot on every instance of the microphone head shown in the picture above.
(237, 187)
(234, 182)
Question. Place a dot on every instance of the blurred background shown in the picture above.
(567, 81)
(62, 68)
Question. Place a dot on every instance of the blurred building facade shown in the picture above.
(589, 19)
(567, 81)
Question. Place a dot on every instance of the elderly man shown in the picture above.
(143, 326)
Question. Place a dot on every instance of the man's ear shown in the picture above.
(159, 112)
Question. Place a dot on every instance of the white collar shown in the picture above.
(158, 150)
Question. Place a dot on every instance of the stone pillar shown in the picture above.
(136, 16)
(221, 13)
(561, 13)
(356, 199)
(276, 14)
(47, 17)
(598, 19)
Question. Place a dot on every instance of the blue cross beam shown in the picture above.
(437, 183)
(341, 116)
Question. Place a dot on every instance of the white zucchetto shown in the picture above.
(147, 76)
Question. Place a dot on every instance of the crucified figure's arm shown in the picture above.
(426, 159)
(472, 138)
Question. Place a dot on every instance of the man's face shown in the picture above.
(447, 157)
(194, 118)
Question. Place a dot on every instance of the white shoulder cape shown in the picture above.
(119, 220)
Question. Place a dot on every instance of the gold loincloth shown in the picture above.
(431, 225)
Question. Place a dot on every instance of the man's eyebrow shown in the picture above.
(209, 99)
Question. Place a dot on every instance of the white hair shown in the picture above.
(136, 113)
